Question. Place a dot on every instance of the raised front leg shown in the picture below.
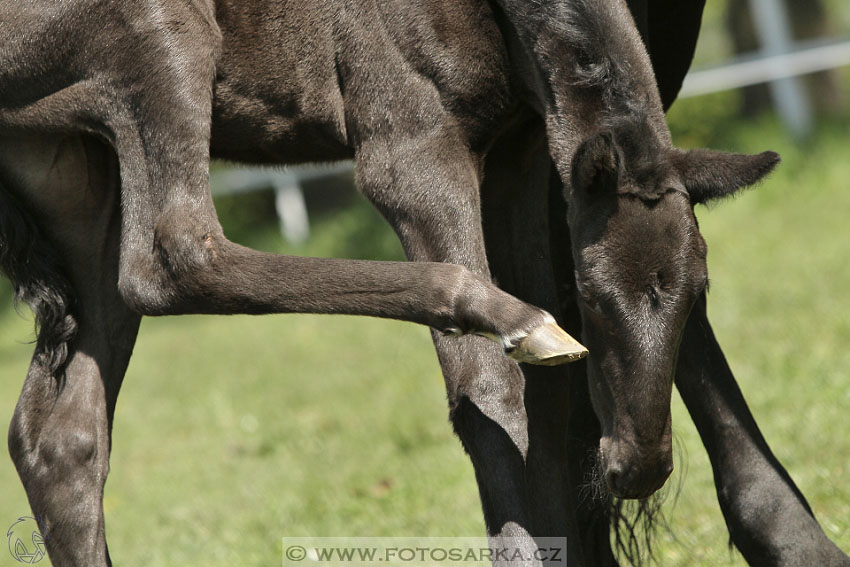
(152, 101)
(768, 517)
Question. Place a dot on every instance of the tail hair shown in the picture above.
(32, 264)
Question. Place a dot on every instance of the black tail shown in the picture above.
(32, 264)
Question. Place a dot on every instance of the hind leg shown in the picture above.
(59, 437)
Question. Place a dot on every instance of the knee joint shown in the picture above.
(58, 448)
(71, 447)
(157, 281)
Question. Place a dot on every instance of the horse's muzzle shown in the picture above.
(630, 478)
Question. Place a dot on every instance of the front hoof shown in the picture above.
(547, 345)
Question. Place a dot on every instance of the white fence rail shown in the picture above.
(779, 63)
(752, 70)
(289, 198)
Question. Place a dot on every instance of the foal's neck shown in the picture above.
(592, 70)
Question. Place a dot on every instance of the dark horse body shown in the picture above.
(478, 129)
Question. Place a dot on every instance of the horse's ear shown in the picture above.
(710, 175)
(596, 164)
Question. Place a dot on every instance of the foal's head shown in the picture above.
(640, 266)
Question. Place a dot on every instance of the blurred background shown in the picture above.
(232, 433)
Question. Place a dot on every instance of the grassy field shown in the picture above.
(234, 432)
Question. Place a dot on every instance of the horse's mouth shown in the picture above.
(636, 493)
(631, 479)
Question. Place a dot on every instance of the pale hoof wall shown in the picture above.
(548, 345)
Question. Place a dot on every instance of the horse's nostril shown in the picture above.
(613, 478)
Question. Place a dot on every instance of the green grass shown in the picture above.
(234, 432)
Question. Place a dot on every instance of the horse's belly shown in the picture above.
(253, 128)
(276, 95)
(280, 96)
